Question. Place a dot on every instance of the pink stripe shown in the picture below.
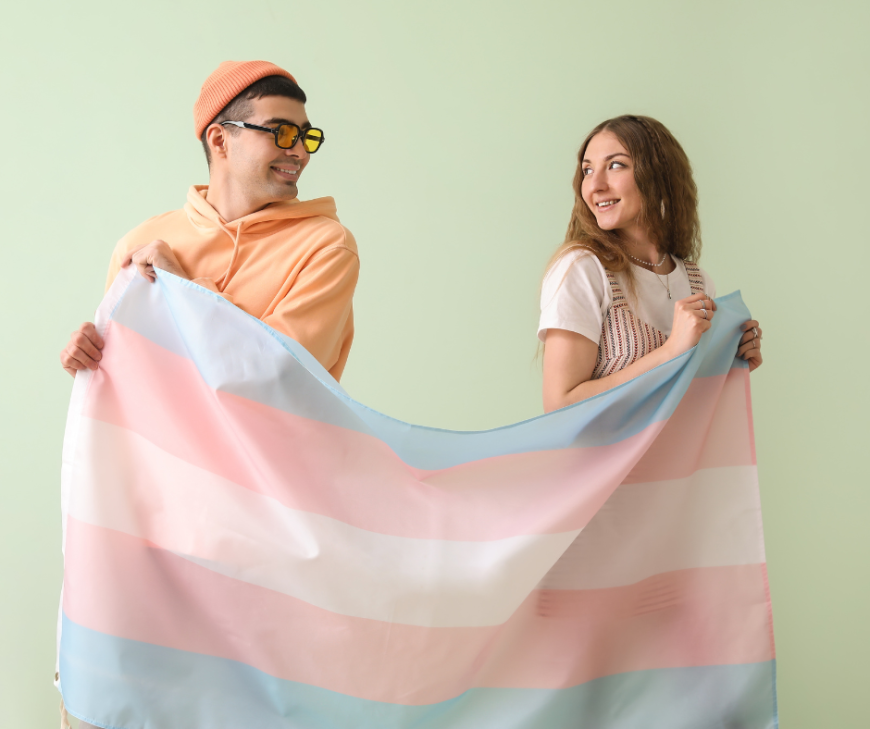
(710, 428)
(749, 413)
(247, 443)
(123, 586)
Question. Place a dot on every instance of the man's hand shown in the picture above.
(156, 254)
(83, 350)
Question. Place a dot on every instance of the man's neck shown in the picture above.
(230, 202)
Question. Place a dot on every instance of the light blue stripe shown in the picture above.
(237, 353)
(124, 684)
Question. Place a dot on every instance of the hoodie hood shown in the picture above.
(202, 215)
(262, 222)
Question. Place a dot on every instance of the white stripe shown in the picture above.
(710, 519)
(125, 482)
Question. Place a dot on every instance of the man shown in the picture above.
(245, 235)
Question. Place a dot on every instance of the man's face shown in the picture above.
(255, 164)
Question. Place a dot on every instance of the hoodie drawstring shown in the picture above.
(224, 280)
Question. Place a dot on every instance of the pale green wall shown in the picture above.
(452, 128)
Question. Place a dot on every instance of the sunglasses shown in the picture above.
(286, 135)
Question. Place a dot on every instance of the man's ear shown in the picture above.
(216, 138)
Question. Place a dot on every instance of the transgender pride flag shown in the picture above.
(248, 547)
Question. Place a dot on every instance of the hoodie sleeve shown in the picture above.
(317, 311)
(115, 262)
(120, 253)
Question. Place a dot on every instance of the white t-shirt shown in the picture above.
(576, 295)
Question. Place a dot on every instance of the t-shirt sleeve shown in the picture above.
(575, 296)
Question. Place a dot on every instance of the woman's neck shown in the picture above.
(642, 249)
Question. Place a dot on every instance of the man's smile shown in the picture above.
(287, 172)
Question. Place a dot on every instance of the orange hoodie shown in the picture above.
(292, 265)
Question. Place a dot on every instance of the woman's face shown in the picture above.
(608, 185)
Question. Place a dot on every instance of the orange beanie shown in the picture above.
(227, 82)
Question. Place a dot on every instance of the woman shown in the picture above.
(624, 294)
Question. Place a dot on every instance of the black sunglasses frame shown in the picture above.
(301, 134)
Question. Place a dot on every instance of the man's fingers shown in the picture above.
(145, 260)
(76, 359)
(128, 259)
(144, 266)
(83, 350)
(80, 342)
(147, 271)
(90, 331)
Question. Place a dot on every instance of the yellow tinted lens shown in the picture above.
(313, 139)
(287, 135)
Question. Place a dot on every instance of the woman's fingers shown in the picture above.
(749, 348)
(751, 332)
(753, 357)
(703, 303)
(755, 362)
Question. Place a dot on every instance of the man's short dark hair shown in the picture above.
(240, 108)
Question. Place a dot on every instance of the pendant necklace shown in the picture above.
(666, 284)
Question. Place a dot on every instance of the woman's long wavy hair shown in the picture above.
(669, 208)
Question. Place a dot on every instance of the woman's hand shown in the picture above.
(156, 254)
(750, 344)
(692, 317)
